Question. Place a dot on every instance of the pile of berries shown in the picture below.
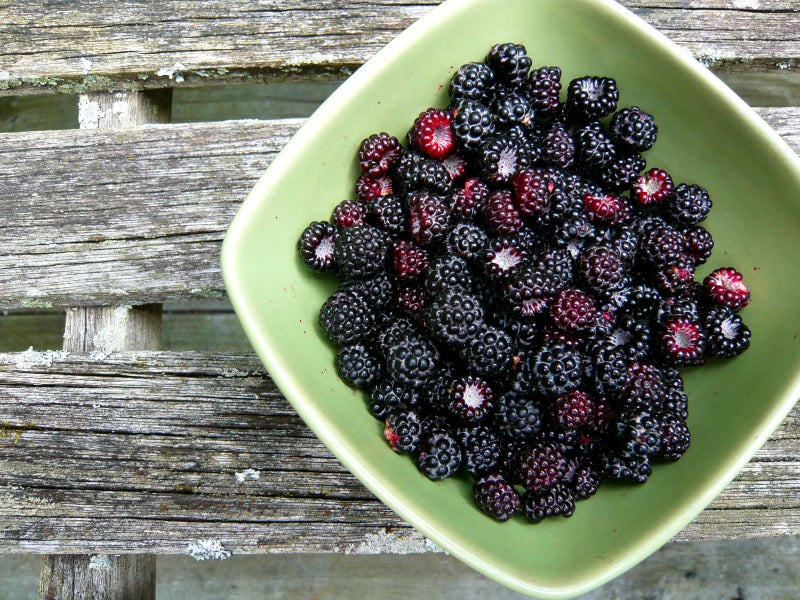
(518, 290)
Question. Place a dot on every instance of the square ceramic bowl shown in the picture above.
(707, 135)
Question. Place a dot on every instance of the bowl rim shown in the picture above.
(278, 370)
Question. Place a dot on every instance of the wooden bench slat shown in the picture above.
(138, 215)
(191, 43)
(149, 444)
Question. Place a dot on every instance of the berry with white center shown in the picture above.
(606, 208)
(472, 82)
(676, 277)
(726, 334)
(316, 246)
(346, 318)
(409, 260)
(482, 449)
(549, 503)
(510, 63)
(489, 353)
(591, 98)
(594, 149)
(532, 191)
(473, 125)
(725, 287)
(528, 293)
(689, 205)
(574, 311)
(501, 214)
(501, 258)
(412, 361)
(574, 410)
(348, 213)
(402, 431)
(431, 133)
(369, 187)
(496, 497)
(456, 166)
(557, 369)
(634, 129)
(468, 201)
(378, 153)
(455, 317)
(675, 437)
(698, 244)
(682, 342)
(603, 269)
(661, 247)
(467, 240)
(618, 174)
(428, 218)
(544, 89)
(469, 399)
(411, 300)
(558, 147)
(358, 366)
(653, 187)
(541, 466)
(439, 455)
(501, 158)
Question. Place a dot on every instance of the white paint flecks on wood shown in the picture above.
(208, 550)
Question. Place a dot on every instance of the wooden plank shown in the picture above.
(165, 449)
(70, 48)
(168, 194)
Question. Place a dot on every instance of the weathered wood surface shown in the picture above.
(155, 451)
(99, 577)
(71, 48)
(138, 215)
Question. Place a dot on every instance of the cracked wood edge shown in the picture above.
(167, 195)
(198, 43)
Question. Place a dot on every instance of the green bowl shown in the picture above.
(707, 135)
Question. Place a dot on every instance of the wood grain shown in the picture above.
(69, 47)
(138, 215)
(153, 451)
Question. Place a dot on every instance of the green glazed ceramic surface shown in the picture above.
(707, 135)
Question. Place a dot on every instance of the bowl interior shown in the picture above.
(706, 136)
